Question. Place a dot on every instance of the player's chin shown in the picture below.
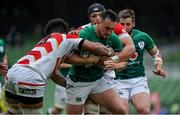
(105, 36)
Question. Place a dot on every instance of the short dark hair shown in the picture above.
(110, 14)
(56, 25)
(127, 13)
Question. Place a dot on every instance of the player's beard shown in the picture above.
(130, 32)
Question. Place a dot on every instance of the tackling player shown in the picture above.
(26, 79)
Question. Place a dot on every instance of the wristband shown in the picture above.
(158, 60)
(115, 58)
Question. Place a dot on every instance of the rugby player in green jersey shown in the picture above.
(88, 81)
(3, 72)
(132, 82)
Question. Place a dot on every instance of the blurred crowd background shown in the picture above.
(22, 23)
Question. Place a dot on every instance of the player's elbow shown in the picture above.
(132, 48)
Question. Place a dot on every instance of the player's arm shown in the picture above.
(127, 42)
(65, 65)
(128, 48)
(110, 65)
(58, 78)
(96, 48)
(158, 62)
(75, 58)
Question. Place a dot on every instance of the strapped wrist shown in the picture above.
(158, 60)
(115, 58)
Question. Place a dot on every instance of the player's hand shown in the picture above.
(110, 65)
(111, 50)
(100, 63)
(3, 69)
(93, 59)
(161, 72)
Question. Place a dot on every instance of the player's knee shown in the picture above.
(12, 103)
(120, 109)
(31, 107)
(13, 108)
(143, 109)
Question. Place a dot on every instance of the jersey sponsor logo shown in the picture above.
(124, 30)
(27, 91)
(121, 93)
(78, 99)
(141, 45)
(134, 56)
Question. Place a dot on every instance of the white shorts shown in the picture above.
(109, 74)
(24, 81)
(130, 87)
(77, 92)
(60, 96)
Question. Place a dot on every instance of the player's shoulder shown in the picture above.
(83, 26)
(119, 29)
(139, 32)
(88, 29)
(86, 25)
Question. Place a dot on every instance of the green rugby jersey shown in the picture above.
(2, 53)
(135, 67)
(84, 73)
(2, 50)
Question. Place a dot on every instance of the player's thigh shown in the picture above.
(60, 97)
(140, 96)
(141, 101)
(104, 110)
(110, 99)
(12, 103)
(77, 92)
(124, 94)
(74, 109)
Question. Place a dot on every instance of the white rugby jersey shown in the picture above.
(44, 58)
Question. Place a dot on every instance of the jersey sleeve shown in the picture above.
(120, 31)
(69, 45)
(85, 33)
(2, 48)
(149, 42)
(116, 43)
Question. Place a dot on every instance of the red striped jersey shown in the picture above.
(47, 55)
(120, 31)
